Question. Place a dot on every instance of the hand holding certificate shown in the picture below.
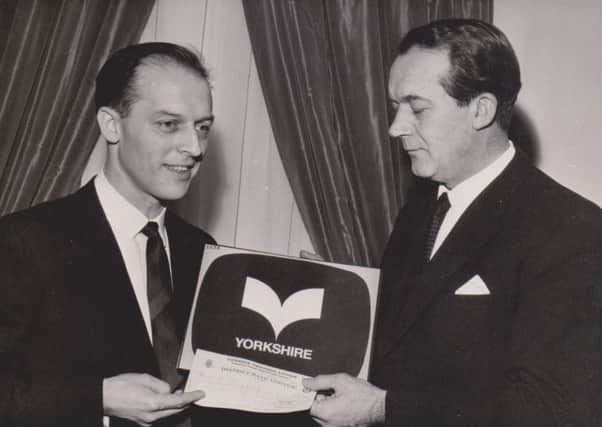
(260, 323)
(236, 383)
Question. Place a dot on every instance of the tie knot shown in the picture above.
(151, 229)
(442, 205)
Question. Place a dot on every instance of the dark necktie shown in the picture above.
(158, 281)
(441, 207)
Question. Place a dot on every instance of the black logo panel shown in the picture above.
(297, 315)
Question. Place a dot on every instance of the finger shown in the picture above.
(317, 410)
(166, 413)
(320, 396)
(155, 384)
(321, 382)
(191, 396)
(178, 401)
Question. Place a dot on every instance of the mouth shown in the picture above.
(408, 146)
(181, 169)
(411, 150)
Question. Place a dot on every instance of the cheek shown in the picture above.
(431, 134)
(441, 129)
(135, 157)
(144, 151)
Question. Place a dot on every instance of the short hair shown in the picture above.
(116, 80)
(481, 60)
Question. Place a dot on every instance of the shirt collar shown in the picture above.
(464, 193)
(125, 219)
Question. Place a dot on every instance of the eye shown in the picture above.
(394, 105)
(168, 126)
(418, 108)
(203, 127)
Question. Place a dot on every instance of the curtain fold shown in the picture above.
(422, 12)
(323, 67)
(322, 72)
(48, 63)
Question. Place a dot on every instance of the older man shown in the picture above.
(490, 312)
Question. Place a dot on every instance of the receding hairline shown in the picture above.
(160, 63)
(166, 63)
(116, 79)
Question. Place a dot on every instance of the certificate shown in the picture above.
(236, 383)
(297, 316)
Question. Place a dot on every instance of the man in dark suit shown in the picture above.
(490, 312)
(96, 288)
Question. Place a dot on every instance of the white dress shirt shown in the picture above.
(126, 222)
(463, 194)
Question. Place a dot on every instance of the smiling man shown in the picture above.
(96, 287)
(491, 304)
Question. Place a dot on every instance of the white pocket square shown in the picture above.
(474, 286)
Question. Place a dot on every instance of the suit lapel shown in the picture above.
(114, 288)
(460, 251)
(481, 221)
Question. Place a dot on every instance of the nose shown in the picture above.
(400, 125)
(193, 143)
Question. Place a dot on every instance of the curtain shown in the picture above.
(422, 12)
(323, 67)
(50, 52)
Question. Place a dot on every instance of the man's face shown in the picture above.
(164, 137)
(435, 132)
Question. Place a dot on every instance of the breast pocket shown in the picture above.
(461, 324)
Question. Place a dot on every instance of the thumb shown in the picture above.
(181, 400)
(321, 382)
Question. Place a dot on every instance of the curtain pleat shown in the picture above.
(423, 12)
(323, 67)
(322, 72)
(52, 53)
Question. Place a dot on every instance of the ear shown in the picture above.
(108, 121)
(483, 109)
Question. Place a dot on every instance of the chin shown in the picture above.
(422, 172)
(173, 193)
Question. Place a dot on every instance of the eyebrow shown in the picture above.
(412, 97)
(210, 117)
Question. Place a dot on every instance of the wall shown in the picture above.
(558, 45)
(241, 194)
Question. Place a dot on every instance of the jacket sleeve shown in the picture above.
(553, 374)
(37, 388)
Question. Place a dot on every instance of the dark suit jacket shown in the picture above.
(68, 313)
(528, 354)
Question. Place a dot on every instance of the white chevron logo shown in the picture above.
(304, 304)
